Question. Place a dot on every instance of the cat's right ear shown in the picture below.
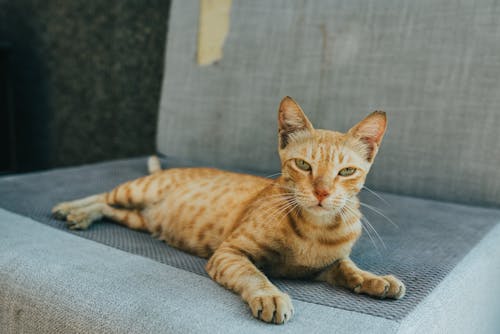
(291, 119)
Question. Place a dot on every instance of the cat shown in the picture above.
(301, 225)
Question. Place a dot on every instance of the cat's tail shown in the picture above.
(154, 164)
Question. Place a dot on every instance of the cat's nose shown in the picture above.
(321, 194)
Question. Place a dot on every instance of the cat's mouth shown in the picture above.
(324, 207)
(319, 208)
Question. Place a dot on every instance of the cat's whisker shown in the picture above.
(290, 209)
(275, 210)
(272, 205)
(279, 196)
(350, 200)
(286, 208)
(343, 216)
(370, 226)
(293, 192)
(377, 195)
(301, 198)
(275, 174)
(374, 209)
(365, 228)
(277, 204)
(374, 231)
(299, 194)
(366, 225)
(350, 211)
(369, 235)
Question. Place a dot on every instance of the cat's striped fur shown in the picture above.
(301, 225)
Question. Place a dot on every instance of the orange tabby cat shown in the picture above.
(301, 225)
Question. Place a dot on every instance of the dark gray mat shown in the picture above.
(429, 241)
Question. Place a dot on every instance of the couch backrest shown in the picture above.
(433, 66)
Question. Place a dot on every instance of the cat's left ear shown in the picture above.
(291, 119)
(370, 131)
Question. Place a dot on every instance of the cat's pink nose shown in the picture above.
(321, 194)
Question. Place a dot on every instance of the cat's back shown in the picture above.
(198, 207)
(213, 189)
(209, 179)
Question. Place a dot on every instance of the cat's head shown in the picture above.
(324, 169)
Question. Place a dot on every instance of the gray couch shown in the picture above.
(433, 66)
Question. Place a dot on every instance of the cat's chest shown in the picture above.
(308, 257)
(315, 254)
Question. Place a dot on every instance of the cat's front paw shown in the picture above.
(274, 308)
(379, 286)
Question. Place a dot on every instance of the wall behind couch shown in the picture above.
(86, 77)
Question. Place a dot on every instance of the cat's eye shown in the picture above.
(302, 165)
(348, 171)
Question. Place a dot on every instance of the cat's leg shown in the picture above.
(346, 274)
(83, 217)
(140, 192)
(62, 210)
(231, 268)
(133, 194)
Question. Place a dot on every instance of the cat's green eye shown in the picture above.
(348, 171)
(302, 165)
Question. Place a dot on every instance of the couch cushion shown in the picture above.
(92, 288)
(52, 282)
(432, 65)
(429, 240)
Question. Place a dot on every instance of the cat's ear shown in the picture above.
(291, 119)
(371, 131)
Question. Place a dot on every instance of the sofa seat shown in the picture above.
(112, 279)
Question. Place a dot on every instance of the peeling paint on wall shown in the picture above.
(213, 29)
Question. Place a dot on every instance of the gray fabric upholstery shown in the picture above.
(52, 282)
(432, 65)
(467, 300)
(56, 283)
(429, 241)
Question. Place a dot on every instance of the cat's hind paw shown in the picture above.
(61, 210)
(273, 308)
(81, 219)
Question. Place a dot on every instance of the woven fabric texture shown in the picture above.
(90, 288)
(433, 66)
(429, 240)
